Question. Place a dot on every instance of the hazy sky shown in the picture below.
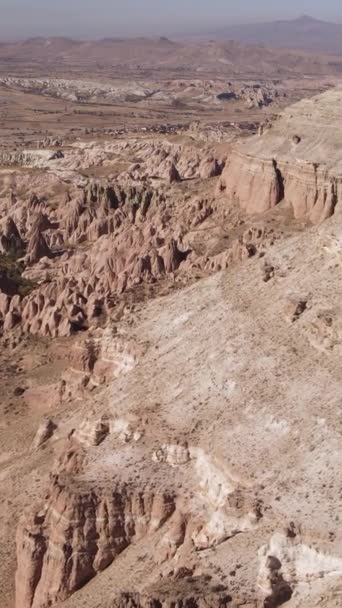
(96, 18)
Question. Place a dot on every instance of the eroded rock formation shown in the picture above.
(188, 593)
(78, 534)
(82, 257)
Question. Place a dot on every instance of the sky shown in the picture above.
(100, 18)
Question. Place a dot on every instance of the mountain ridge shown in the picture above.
(219, 56)
(304, 32)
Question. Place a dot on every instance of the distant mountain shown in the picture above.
(303, 33)
(223, 56)
(108, 50)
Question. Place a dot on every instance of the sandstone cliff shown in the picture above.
(64, 545)
(295, 160)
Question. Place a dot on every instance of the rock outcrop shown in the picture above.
(297, 161)
(10, 239)
(79, 533)
(287, 562)
(193, 592)
(37, 247)
(253, 183)
(44, 433)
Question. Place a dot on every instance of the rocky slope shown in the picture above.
(152, 464)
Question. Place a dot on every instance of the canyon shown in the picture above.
(171, 334)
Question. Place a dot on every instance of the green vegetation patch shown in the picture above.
(11, 275)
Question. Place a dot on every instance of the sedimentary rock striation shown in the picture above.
(79, 534)
(296, 160)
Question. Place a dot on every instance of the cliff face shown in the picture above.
(312, 190)
(254, 184)
(78, 534)
(296, 160)
(259, 185)
(85, 525)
